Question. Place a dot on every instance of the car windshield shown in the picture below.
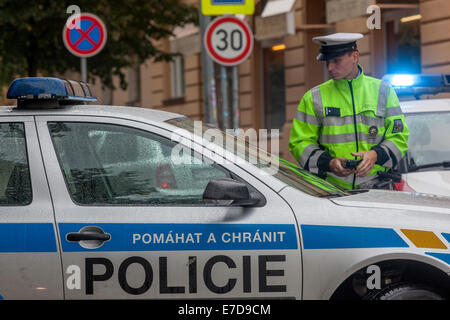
(428, 141)
(282, 169)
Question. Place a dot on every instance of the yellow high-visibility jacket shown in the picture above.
(339, 117)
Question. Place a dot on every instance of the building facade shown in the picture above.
(408, 36)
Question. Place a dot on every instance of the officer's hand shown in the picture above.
(368, 160)
(337, 167)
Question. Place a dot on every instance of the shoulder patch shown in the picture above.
(398, 126)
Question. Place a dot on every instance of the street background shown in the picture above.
(412, 37)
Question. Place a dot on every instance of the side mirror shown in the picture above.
(231, 190)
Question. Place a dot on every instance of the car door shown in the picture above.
(30, 265)
(133, 224)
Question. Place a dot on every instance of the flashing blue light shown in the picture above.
(402, 80)
(41, 88)
(417, 80)
(418, 84)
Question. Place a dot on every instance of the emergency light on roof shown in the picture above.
(418, 84)
(402, 80)
(49, 92)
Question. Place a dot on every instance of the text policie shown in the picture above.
(74, 277)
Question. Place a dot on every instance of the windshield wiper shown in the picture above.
(445, 164)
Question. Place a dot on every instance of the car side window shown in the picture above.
(15, 182)
(107, 164)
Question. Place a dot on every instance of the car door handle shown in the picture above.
(83, 236)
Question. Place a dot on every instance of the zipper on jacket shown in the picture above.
(356, 128)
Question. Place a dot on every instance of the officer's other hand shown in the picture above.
(368, 160)
(337, 167)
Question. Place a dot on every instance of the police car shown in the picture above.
(425, 168)
(105, 202)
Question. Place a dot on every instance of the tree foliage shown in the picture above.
(31, 35)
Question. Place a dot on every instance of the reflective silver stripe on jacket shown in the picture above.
(349, 137)
(386, 144)
(306, 154)
(394, 111)
(340, 121)
(389, 163)
(383, 94)
(317, 101)
(313, 161)
(306, 118)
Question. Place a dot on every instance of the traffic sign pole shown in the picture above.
(209, 85)
(224, 91)
(235, 99)
(83, 69)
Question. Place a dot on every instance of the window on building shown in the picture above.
(274, 87)
(177, 77)
(402, 36)
(134, 86)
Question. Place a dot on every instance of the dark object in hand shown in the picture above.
(351, 164)
(390, 175)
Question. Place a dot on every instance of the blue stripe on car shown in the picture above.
(343, 237)
(441, 256)
(27, 237)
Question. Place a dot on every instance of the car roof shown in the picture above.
(147, 115)
(425, 105)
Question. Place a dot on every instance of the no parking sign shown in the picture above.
(84, 35)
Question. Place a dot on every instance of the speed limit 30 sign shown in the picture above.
(228, 40)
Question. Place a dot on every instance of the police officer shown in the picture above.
(350, 117)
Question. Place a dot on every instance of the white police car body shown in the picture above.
(78, 221)
(426, 165)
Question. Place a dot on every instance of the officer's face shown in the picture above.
(343, 67)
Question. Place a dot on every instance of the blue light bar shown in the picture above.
(41, 89)
(402, 80)
(417, 80)
(418, 84)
